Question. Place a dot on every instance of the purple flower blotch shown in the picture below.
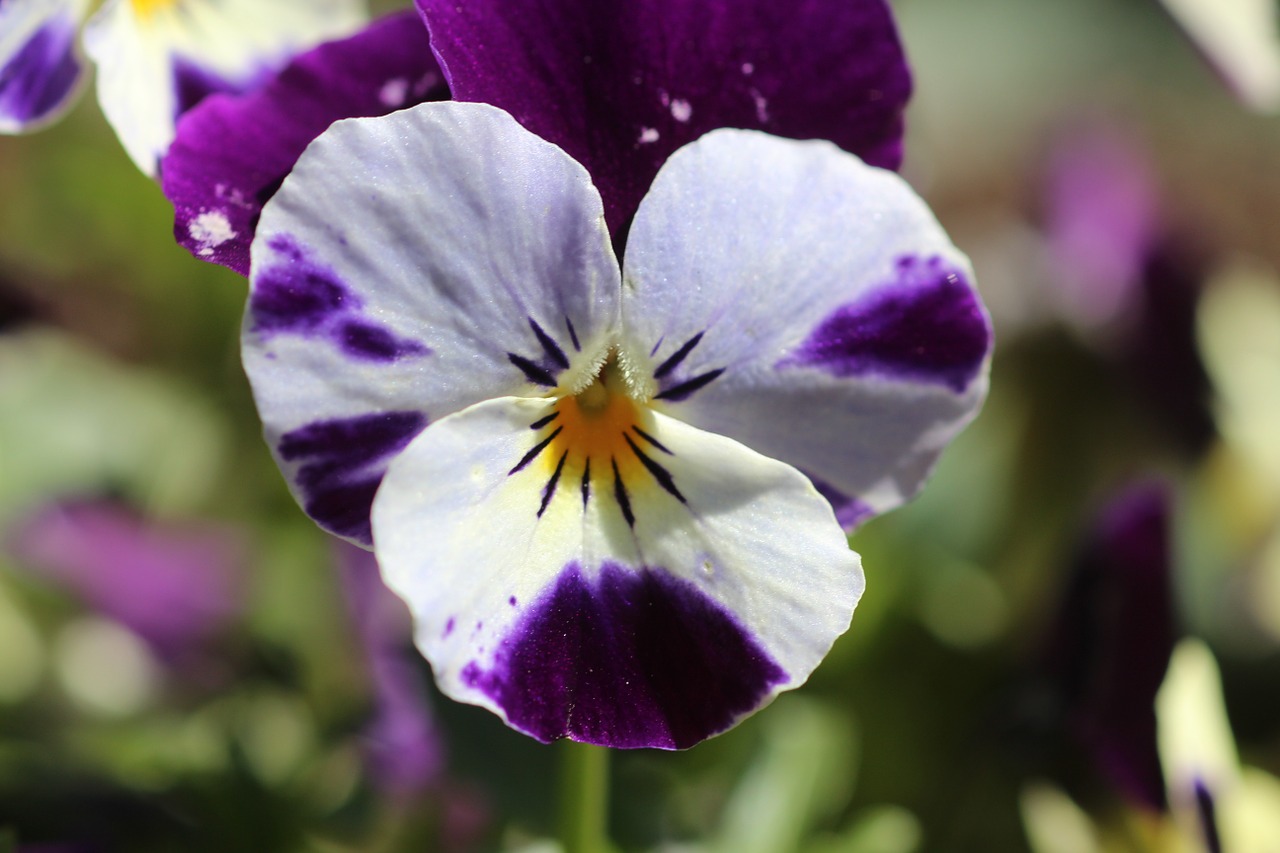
(627, 658)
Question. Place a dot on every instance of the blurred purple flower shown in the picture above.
(173, 585)
(1120, 271)
(1110, 644)
(403, 747)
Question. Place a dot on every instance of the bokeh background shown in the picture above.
(187, 663)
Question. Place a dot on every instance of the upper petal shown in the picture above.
(40, 67)
(412, 265)
(232, 151)
(620, 86)
(157, 60)
(787, 295)
(647, 587)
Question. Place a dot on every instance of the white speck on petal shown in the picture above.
(762, 106)
(681, 110)
(648, 134)
(210, 230)
(748, 69)
(394, 92)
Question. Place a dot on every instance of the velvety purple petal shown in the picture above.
(232, 152)
(633, 658)
(1113, 638)
(620, 86)
(41, 76)
(173, 586)
(402, 746)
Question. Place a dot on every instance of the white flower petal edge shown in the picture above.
(1241, 39)
(1209, 792)
(610, 575)
(810, 306)
(40, 67)
(410, 266)
(156, 58)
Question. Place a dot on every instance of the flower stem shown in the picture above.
(584, 798)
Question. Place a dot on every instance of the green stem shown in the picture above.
(584, 798)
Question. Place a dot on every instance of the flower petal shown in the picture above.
(231, 152)
(627, 603)
(787, 295)
(464, 259)
(622, 86)
(40, 67)
(157, 60)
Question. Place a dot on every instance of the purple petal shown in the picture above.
(620, 86)
(342, 462)
(232, 152)
(638, 659)
(403, 747)
(1113, 639)
(929, 327)
(1101, 220)
(173, 586)
(42, 76)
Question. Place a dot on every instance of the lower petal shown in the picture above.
(647, 596)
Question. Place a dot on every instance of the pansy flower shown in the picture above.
(158, 58)
(40, 68)
(155, 58)
(608, 492)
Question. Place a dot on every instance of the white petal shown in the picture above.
(412, 265)
(40, 67)
(156, 58)
(1197, 749)
(1240, 38)
(787, 295)
(655, 613)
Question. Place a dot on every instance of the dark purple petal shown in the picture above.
(620, 86)
(928, 327)
(342, 462)
(192, 84)
(629, 659)
(173, 586)
(1160, 353)
(402, 746)
(300, 296)
(1112, 641)
(41, 76)
(1207, 817)
(232, 152)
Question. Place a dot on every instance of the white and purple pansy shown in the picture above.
(40, 67)
(232, 150)
(586, 479)
(157, 58)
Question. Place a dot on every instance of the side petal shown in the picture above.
(40, 66)
(231, 152)
(463, 259)
(791, 297)
(610, 603)
(621, 86)
(158, 59)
